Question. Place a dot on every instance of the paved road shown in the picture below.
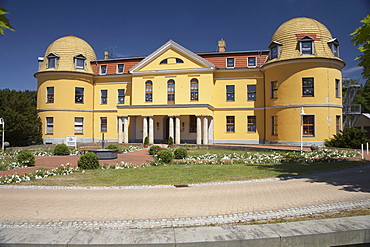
(50, 205)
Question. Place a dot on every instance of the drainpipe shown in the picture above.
(264, 100)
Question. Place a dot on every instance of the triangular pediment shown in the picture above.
(171, 57)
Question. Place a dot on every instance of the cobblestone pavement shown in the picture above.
(167, 206)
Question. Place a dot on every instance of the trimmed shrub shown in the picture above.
(88, 161)
(61, 149)
(170, 141)
(146, 141)
(112, 146)
(153, 149)
(348, 138)
(164, 156)
(180, 153)
(25, 157)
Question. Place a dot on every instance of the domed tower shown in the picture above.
(65, 90)
(303, 84)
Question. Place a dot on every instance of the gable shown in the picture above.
(172, 57)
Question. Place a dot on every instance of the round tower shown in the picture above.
(65, 90)
(303, 96)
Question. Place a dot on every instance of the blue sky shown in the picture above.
(139, 27)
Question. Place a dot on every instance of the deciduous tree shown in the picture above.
(361, 38)
(22, 124)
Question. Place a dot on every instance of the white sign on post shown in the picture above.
(71, 141)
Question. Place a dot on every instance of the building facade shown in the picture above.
(287, 94)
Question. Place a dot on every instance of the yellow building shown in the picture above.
(286, 94)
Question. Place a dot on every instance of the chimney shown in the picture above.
(221, 46)
(106, 55)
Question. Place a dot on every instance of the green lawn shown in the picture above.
(186, 174)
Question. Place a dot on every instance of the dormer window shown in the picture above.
(52, 60)
(103, 69)
(306, 46)
(80, 62)
(334, 46)
(230, 62)
(275, 48)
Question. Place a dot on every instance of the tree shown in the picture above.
(4, 22)
(22, 124)
(361, 38)
(348, 138)
(363, 97)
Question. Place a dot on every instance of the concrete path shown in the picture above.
(43, 204)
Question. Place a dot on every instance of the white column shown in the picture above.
(199, 130)
(205, 130)
(145, 127)
(151, 130)
(125, 131)
(210, 131)
(171, 134)
(177, 128)
(119, 129)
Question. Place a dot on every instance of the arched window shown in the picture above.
(148, 91)
(171, 91)
(194, 89)
(164, 61)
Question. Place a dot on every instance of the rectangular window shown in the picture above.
(49, 125)
(337, 88)
(306, 47)
(103, 97)
(79, 95)
(52, 62)
(230, 62)
(230, 93)
(274, 89)
(79, 125)
(274, 52)
(274, 126)
(308, 125)
(230, 124)
(338, 123)
(121, 96)
(308, 87)
(251, 91)
(50, 95)
(103, 69)
(79, 63)
(103, 124)
(252, 123)
(193, 124)
(120, 68)
(251, 62)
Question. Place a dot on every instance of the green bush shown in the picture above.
(153, 149)
(88, 161)
(348, 138)
(180, 153)
(146, 141)
(112, 146)
(25, 157)
(61, 149)
(164, 156)
(170, 141)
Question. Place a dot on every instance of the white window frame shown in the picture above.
(101, 124)
(337, 88)
(118, 96)
(79, 126)
(53, 56)
(104, 98)
(123, 69)
(255, 62)
(82, 96)
(307, 39)
(77, 58)
(51, 95)
(49, 125)
(334, 43)
(227, 63)
(103, 71)
(277, 45)
(252, 92)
